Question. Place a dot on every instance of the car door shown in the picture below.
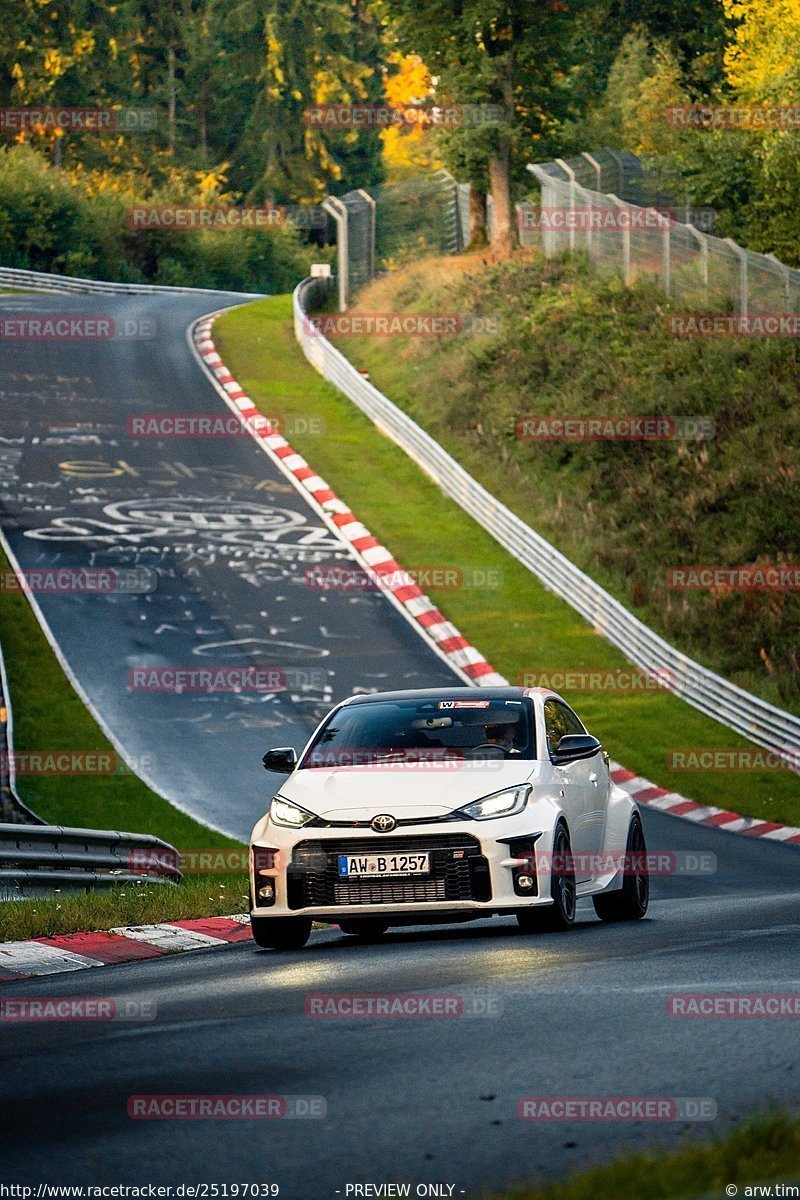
(585, 783)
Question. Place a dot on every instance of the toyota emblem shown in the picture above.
(383, 823)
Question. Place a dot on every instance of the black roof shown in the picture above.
(444, 693)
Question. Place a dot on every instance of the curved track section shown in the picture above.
(218, 529)
(427, 1101)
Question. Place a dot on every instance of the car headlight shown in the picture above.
(284, 812)
(499, 804)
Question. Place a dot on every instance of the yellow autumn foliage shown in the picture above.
(762, 62)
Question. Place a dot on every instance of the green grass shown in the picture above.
(766, 1151)
(572, 343)
(196, 896)
(49, 715)
(518, 626)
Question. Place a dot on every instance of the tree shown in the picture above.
(762, 63)
(504, 64)
(296, 55)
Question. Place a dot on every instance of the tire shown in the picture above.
(631, 901)
(368, 929)
(281, 933)
(560, 915)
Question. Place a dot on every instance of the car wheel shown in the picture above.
(630, 902)
(281, 933)
(364, 928)
(560, 915)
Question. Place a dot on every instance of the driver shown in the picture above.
(502, 736)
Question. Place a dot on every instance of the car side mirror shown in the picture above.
(576, 745)
(283, 760)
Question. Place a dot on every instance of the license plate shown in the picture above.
(383, 865)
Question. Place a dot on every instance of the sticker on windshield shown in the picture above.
(464, 703)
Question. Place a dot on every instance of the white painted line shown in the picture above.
(294, 462)
(780, 835)
(353, 529)
(169, 937)
(468, 656)
(315, 483)
(637, 784)
(418, 605)
(34, 958)
(702, 813)
(331, 506)
(376, 555)
(444, 630)
(664, 802)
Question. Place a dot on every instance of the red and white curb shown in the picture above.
(376, 560)
(76, 951)
(646, 793)
(447, 640)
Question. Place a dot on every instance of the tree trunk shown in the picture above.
(203, 130)
(171, 99)
(477, 217)
(504, 233)
(504, 225)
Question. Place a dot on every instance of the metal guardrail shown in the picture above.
(753, 718)
(40, 281)
(43, 857)
(39, 857)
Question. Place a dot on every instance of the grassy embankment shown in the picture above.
(762, 1153)
(519, 625)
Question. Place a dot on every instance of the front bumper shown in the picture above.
(469, 873)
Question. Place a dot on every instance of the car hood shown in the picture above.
(411, 791)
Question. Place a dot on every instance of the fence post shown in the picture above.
(626, 241)
(598, 169)
(741, 254)
(372, 221)
(570, 174)
(623, 178)
(787, 287)
(702, 241)
(666, 252)
(337, 210)
(462, 211)
(545, 181)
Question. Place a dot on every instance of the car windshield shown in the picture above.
(423, 730)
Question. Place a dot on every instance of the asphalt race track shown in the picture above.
(219, 531)
(429, 1099)
(424, 1101)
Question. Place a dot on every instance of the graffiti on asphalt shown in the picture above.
(197, 524)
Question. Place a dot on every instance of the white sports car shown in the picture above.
(408, 808)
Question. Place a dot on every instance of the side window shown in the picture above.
(554, 723)
(573, 725)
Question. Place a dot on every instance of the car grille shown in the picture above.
(313, 877)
